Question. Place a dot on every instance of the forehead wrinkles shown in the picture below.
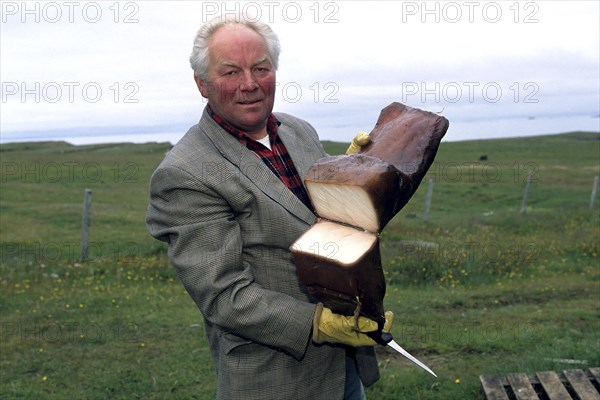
(231, 44)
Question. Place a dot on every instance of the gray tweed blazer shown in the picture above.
(229, 222)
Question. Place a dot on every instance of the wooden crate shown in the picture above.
(548, 385)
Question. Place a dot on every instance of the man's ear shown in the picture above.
(202, 86)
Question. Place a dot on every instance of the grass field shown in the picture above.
(478, 288)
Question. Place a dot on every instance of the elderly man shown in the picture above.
(229, 201)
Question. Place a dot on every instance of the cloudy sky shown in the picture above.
(111, 71)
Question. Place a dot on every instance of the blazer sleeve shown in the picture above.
(205, 247)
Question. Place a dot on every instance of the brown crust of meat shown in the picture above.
(408, 138)
(389, 169)
(342, 287)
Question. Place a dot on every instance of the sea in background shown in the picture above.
(458, 131)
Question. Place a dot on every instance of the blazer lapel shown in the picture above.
(256, 171)
(298, 150)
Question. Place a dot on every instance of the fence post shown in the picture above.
(594, 191)
(85, 226)
(428, 200)
(525, 195)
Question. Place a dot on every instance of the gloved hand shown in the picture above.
(335, 328)
(358, 141)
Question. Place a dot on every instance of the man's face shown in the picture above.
(240, 84)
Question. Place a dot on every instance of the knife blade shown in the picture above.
(406, 354)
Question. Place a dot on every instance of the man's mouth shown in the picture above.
(245, 102)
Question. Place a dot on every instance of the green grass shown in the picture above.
(476, 289)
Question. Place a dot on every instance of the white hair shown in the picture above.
(199, 57)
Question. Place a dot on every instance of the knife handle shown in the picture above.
(382, 338)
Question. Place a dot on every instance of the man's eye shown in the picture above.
(230, 73)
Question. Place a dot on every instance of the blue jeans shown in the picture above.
(354, 389)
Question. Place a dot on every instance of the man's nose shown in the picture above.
(248, 82)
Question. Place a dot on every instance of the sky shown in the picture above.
(110, 71)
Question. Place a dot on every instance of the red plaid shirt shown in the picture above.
(277, 159)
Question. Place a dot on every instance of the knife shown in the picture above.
(406, 354)
(386, 339)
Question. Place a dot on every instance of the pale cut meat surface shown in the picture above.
(356, 189)
(356, 210)
(338, 243)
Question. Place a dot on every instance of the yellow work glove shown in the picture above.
(359, 140)
(335, 328)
